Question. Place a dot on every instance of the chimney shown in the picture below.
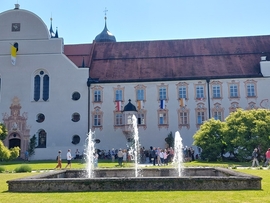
(17, 6)
(263, 58)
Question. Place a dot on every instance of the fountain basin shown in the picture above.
(151, 180)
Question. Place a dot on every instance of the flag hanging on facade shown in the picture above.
(162, 104)
(13, 52)
(139, 104)
(118, 105)
(182, 102)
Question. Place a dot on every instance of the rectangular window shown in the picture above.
(97, 95)
(200, 117)
(183, 118)
(199, 92)
(141, 120)
(140, 95)
(118, 95)
(118, 119)
(233, 91)
(162, 118)
(217, 115)
(97, 120)
(251, 90)
(162, 93)
(216, 91)
(182, 92)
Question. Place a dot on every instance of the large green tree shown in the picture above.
(247, 129)
(210, 138)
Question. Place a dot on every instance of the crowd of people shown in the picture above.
(258, 156)
(153, 155)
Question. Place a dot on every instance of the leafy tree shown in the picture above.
(32, 145)
(3, 131)
(14, 153)
(246, 130)
(6, 154)
(170, 140)
(210, 138)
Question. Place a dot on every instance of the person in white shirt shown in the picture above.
(69, 157)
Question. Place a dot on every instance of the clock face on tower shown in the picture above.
(15, 27)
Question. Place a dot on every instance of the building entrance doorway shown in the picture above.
(14, 142)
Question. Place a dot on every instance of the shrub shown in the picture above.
(23, 169)
(2, 169)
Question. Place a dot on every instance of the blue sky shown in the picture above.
(142, 20)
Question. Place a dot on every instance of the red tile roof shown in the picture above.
(230, 57)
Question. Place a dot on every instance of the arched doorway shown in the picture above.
(14, 141)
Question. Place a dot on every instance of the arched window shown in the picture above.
(41, 86)
(42, 137)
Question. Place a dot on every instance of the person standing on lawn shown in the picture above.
(267, 156)
(59, 161)
(69, 157)
(255, 158)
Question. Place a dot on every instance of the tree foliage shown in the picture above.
(3, 131)
(247, 130)
(8, 154)
(241, 132)
(170, 140)
(32, 145)
(210, 138)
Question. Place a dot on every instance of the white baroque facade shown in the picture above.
(45, 93)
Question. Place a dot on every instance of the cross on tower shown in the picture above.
(105, 11)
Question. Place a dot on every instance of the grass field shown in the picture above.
(133, 197)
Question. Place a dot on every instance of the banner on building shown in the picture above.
(118, 105)
(182, 102)
(162, 104)
(139, 104)
(13, 52)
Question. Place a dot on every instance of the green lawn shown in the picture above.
(133, 197)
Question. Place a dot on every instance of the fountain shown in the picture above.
(178, 153)
(149, 179)
(136, 144)
(89, 155)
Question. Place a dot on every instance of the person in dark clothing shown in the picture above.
(154, 156)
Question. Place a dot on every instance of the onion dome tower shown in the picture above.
(105, 35)
(129, 111)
